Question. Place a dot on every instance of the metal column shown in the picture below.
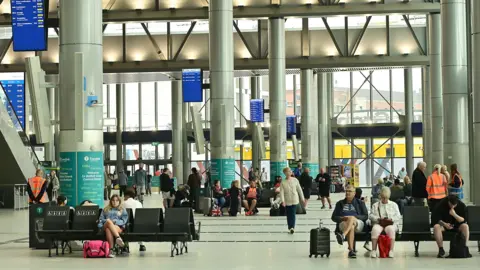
(295, 106)
(185, 144)
(76, 153)
(475, 11)
(255, 94)
(50, 147)
(436, 92)
(242, 100)
(118, 134)
(309, 122)
(427, 116)
(408, 120)
(222, 131)
(455, 89)
(330, 116)
(177, 131)
(323, 120)
(278, 123)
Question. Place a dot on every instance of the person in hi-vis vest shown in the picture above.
(36, 188)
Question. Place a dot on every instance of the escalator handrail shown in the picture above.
(20, 124)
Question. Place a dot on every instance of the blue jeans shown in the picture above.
(291, 211)
(220, 202)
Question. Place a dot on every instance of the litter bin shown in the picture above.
(36, 216)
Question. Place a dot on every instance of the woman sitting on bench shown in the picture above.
(113, 220)
(385, 216)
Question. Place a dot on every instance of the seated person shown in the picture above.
(358, 194)
(130, 202)
(385, 216)
(376, 191)
(181, 196)
(87, 203)
(276, 201)
(449, 215)
(350, 214)
(407, 189)
(398, 195)
(252, 195)
(113, 220)
(235, 197)
(62, 201)
(218, 195)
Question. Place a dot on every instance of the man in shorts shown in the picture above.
(449, 215)
(350, 214)
(167, 188)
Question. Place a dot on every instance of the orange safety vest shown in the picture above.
(436, 187)
(36, 183)
(453, 180)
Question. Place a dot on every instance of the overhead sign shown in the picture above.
(257, 111)
(15, 90)
(28, 25)
(192, 85)
(291, 124)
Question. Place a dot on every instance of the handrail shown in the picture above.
(19, 127)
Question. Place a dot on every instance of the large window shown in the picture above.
(164, 105)
(131, 107)
(148, 106)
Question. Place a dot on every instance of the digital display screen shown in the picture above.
(15, 90)
(257, 111)
(291, 124)
(192, 85)
(28, 25)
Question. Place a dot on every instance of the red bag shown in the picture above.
(96, 249)
(384, 245)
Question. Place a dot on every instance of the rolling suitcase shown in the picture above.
(320, 241)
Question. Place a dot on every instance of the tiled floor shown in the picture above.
(259, 242)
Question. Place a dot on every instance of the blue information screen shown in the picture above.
(291, 124)
(256, 111)
(192, 84)
(15, 90)
(28, 25)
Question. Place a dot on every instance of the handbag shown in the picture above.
(384, 222)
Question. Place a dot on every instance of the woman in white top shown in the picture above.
(290, 192)
(385, 216)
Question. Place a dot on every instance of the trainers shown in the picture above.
(441, 253)
(373, 254)
(339, 238)
(292, 231)
(352, 254)
(390, 254)
(323, 207)
(111, 254)
(119, 242)
(142, 248)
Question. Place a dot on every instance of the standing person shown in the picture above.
(235, 198)
(419, 184)
(130, 202)
(298, 171)
(36, 188)
(149, 185)
(167, 188)
(324, 182)
(444, 171)
(251, 174)
(264, 176)
(290, 192)
(455, 186)
(140, 181)
(436, 187)
(108, 186)
(402, 173)
(54, 185)
(113, 220)
(306, 184)
(194, 182)
(122, 181)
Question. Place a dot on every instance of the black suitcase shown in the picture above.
(320, 242)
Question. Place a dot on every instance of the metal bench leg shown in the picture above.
(173, 247)
(186, 247)
(416, 244)
(50, 249)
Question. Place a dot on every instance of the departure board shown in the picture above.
(192, 85)
(291, 124)
(257, 111)
(15, 90)
(28, 25)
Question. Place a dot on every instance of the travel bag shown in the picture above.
(206, 205)
(96, 249)
(320, 241)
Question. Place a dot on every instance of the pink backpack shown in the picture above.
(96, 249)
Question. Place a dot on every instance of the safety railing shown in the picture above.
(20, 197)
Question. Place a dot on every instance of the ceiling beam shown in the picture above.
(258, 12)
(247, 64)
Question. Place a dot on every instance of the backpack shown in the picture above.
(458, 247)
(384, 245)
(96, 249)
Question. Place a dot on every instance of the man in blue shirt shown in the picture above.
(298, 171)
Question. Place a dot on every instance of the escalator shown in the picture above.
(18, 158)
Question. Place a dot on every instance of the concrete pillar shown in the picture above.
(185, 143)
(57, 124)
(427, 116)
(82, 171)
(330, 116)
(368, 162)
(50, 147)
(436, 92)
(207, 106)
(255, 94)
(278, 122)
(409, 120)
(242, 100)
(323, 120)
(475, 11)
(455, 89)
(167, 150)
(296, 110)
(177, 131)
(118, 134)
(309, 122)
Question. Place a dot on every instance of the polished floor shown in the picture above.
(259, 242)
